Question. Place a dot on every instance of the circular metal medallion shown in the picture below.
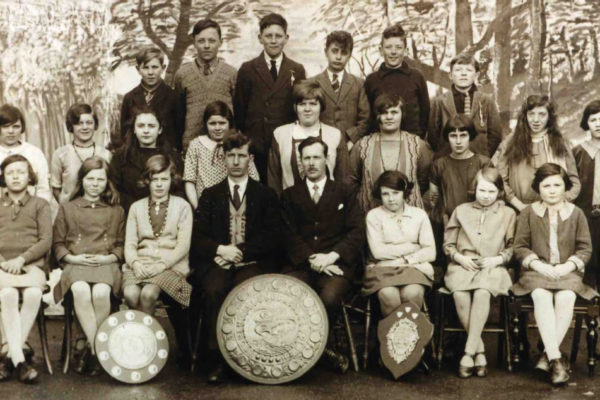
(132, 346)
(272, 328)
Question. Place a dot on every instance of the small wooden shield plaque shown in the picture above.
(403, 336)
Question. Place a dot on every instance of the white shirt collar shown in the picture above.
(278, 60)
(241, 190)
(12, 150)
(565, 210)
(320, 184)
(207, 142)
(340, 75)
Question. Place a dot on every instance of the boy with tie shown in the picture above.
(263, 91)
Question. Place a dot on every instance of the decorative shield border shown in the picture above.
(265, 279)
(120, 372)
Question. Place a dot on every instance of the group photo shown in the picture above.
(256, 199)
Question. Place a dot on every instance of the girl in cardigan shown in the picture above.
(390, 149)
(157, 241)
(588, 164)
(88, 243)
(478, 240)
(25, 238)
(535, 141)
(553, 245)
(401, 246)
(143, 140)
(204, 159)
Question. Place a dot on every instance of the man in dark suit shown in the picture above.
(236, 237)
(346, 103)
(263, 91)
(324, 234)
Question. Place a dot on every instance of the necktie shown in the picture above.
(335, 84)
(316, 196)
(236, 197)
(274, 70)
(206, 69)
(148, 96)
(467, 110)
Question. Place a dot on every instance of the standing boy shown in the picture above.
(156, 94)
(397, 78)
(464, 98)
(208, 78)
(263, 91)
(346, 104)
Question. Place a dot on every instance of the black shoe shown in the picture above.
(84, 361)
(217, 375)
(465, 372)
(558, 372)
(93, 365)
(28, 352)
(338, 361)
(543, 363)
(6, 368)
(26, 373)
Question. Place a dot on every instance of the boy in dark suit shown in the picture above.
(394, 76)
(464, 98)
(236, 236)
(263, 91)
(324, 234)
(156, 94)
(346, 103)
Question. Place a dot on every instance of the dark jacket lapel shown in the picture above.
(285, 74)
(260, 65)
(448, 102)
(323, 80)
(345, 87)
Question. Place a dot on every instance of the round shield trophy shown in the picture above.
(132, 346)
(272, 329)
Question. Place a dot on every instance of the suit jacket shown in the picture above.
(261, 105)
(263, 223)
(348, 108)
(485, 118)
(168, 107)
(335, 223)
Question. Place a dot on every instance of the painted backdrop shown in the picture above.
(57, 52)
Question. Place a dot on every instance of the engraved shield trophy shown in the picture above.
(272, 329)
(132, 346)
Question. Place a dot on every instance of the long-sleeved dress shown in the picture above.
(554, 237)
(169, 244)
(401, 248)
(478, 232)
(84, 227)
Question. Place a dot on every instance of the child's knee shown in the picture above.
(9, 296)
(131, 294)
(149, 294)
(388, 295)
(80, 290)
(101, 292)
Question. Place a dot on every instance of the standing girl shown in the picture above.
(478, 242)
(82, 123)
(88, 244)
(553, 245)
(25, 239)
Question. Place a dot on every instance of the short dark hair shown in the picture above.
(464, 59)
(110, 194)
(33, 180)
(460, 122)
(309, 141)
(155, 165)
(395, 180)
(395, 30)
(385, 101)
(205, 24)
(218, 108)
(148, 53)
(550, 169)
(343, 38)
(10, 114)
(308, 89)
(273, 19)
(234, 139)
(591, 109)
(74, 115)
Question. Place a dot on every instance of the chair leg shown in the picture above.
(367, 330)
(67, 338)
(353, 355)
(592, 339)
(196, 344)
(523, 340)
(515, 334)
(44, 339)
(189, 339)
(440, 332)
(576, 338)
(506, 335)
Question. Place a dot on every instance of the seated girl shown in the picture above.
(157, 245)
(88, 243)
(25, 239)
(553, 245)
(478, 242)
(401, 246)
